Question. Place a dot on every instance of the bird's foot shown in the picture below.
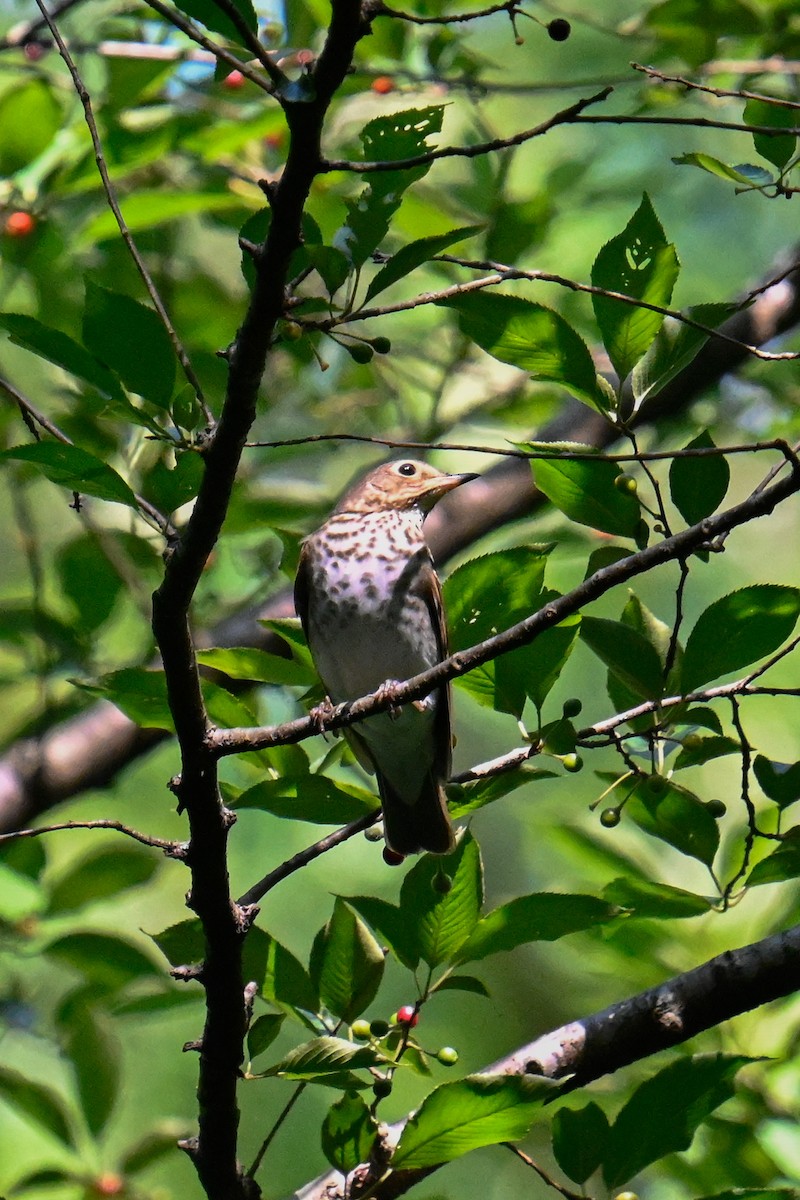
(321, 713)
(388, 691)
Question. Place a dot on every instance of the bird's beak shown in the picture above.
(439, 487)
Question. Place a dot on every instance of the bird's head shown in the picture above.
(403, 484)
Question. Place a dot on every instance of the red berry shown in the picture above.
(19, 225)
(108, 1184)
(274, 141)
(234, 81)
(383, 85)
(407, 1015)
(304, 57)
(392, 858)
(33, 51)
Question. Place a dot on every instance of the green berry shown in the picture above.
(572, 763)
(381, 345)
(291, 331)
(572, 707)
(717, 808)
(361, 1030)
(382, 1087)
(609, 818)
(379, 1028)
(442, 883)
(627, 484)
(360, 352)
(448, 1056)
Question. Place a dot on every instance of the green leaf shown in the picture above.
(481, 1110)
(138, 692)
(651, 1124)
(130, 339)
(756, 620)
(782, 864)
(313, 798)
(30, 117)
(41, 1106)
(99, 875)
(675, 346)
(467, 798)
(262, 1032)
(388, 138)
(539, 917)
(392, 926)
(780, 782)
(212, 16)
(94, 1053)
(89, 580)
(534, 338)
(57, 347)
(414, 255)
(638, 262)
(579, 1140)
(629, 656)
(698, 485)
(26, 856)
(75, 469)
(676, 816)
(327, 1060)
(777, 150)
(656, 900)
(704, 750)
(171, 487)
(110, 963)
(462, 983)
(744, 174)
(584, 490)
(346, 965)
(46, 1177)
(444, 916)
(245, 662)
(348, 1133)
(150, 209)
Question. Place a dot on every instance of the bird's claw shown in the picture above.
(321, 713)
(388, 691)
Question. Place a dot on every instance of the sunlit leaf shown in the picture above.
(585, 491)
(130, 338)
(698, 485)
(346, 964)
(348, 1133)
(442, 898)
(540, 917)
(756, 620)
(75, 469)
(38, 1104)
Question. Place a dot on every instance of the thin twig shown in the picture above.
(219, 53)
(692, 85)
(265, 1145)
(378, 9)
(113, 204)
(553, 1183)
(170, 847)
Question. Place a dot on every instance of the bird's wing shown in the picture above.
(302, 584)
(428, 587)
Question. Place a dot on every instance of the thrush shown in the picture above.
(371, 606)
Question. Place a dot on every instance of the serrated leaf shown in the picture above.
(346, 964)
(651, 1124)
(777, 150)
(57, 347)
(782, 864)
(675, 345)
(698, 485)
(656, 900)
(579, 1138)
(539, 917)
(41, 1106)
(89, 580)
(585, 491)
(703, 750)
(780, 782)
(756, 620)
(111, 963)
(480, 1110)
(469, 797)
(444, 916)
(262, 1032)
(414, 255)
(326, 1060)
(140, 693)
(674, 815)
(30, 118)
(130, 338)
(348, 1133)
(535, 339)
(99, 875)
(313, 798)
(638, 262)
(75, 469)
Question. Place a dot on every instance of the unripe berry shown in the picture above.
(442, 883)
(381, 345)
(379, 1028)
(627, 484)
(559, 29)
(692, 741)
(381, 1087)
(609, 818)
(291, 331)
(572, 763)
(383, 85)
(572, 707)
(407, 1015)
(19, 225)
(361, 1030)
(360, 352)
(448, 1056)
(717, 808)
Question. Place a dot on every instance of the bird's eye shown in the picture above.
(407, 468)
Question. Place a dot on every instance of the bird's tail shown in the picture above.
(422, 824)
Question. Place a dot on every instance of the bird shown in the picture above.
(370, 604)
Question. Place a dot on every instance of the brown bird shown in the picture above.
(371, 607)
